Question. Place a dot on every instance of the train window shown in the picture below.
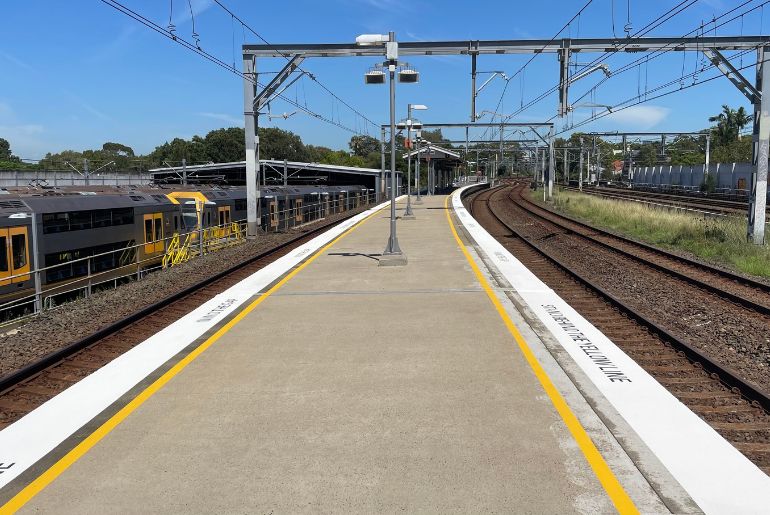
(240, 204)
(3, 255)
(176, 222)
(19, 250)
(208, 219)
(56, 222)
(147, 230)
(221, 217)
(158, 229)
(123, 216)
(80, 220)
(102, 218)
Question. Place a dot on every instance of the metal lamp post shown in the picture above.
(418, 140)
(409, 214)
(392, 255)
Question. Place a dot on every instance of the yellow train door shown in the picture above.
(273, 215)
(158, 232)
(19, 253)
(298, 211)
(153, 233)
(5, 263)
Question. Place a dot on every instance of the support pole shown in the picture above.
(383, 182)
(625, 157)
(473, 87)
(285, 172)
(392, 255)
(551, 164)
(250, 119)
(408, 213)
(36, 265)
(758, 199)
(580, 166)
(501, 147)
(184, 172)
(566, 166)
(418, 200)
(708, 150)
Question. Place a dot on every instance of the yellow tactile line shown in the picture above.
(609, 482)
(37, 485)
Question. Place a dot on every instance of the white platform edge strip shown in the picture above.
(715, 474)
(25, 442)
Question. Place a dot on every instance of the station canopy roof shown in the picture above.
(434, 152)
(297, 172)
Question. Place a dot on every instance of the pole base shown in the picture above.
(418, 201)
(408, 217)
(391, 259)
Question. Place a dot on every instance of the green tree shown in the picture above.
(736, 151)
(647, 156)
(435, 136)
(225, 145)
(730, 122)
(276, 143)
(363, 145)
(5, 150)
(117, 149)
(687, 150)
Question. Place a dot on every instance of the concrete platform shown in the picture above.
(355, 387)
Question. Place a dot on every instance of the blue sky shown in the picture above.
(78, 73)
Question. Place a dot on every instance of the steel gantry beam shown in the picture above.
(513, 46)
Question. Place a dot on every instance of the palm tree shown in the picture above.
(730, 122)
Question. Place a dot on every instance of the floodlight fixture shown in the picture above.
(407, 74)
(374, 76)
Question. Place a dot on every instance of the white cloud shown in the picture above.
(238, 122)
(640, 117)
(17, 62)
(182, 10)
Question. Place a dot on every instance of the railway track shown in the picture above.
(734, 406)
(29, 387)
(705, 205)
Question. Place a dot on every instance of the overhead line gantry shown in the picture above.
(711, 46)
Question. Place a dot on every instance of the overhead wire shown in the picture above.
(534, 55)
(677, 9)
(210, 57)
(634, 101)
(658, 53)
(288, 58)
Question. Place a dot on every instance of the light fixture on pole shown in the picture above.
(410, 124)
(392, 255)
(417, 126)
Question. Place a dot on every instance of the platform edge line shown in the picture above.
(49, 475)
(604, 474)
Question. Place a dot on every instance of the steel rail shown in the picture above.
(725, 374)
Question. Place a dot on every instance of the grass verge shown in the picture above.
(720, 240)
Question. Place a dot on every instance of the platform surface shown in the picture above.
(352, 388)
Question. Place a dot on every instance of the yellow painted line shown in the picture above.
(36, 486)
(604, 474)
